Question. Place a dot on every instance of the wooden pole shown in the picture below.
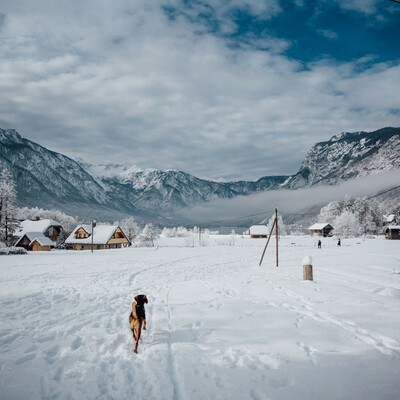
(276, 231)
(269, 237)
(307, 273)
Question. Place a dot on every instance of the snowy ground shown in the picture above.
(219, 326)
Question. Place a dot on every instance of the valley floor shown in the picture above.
(219, 326)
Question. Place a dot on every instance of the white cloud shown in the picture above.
(122, 82)
(363, 6)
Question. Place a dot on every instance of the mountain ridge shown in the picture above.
(49, 179)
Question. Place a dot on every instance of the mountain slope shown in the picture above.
(44, 177)
(347, 156)
(152, 189)
(48, 179)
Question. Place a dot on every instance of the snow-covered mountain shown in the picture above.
(51, 180)
(47, 178)
(347, 156)
(151, 189)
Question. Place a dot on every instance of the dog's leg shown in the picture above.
(144, 324)
(138, 337)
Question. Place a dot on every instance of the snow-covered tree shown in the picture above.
(330, 212)
(8, 209)
(130, 227)
(346, 225)
(281, 225)
(232, 238)
(149, 235)
(67, 222)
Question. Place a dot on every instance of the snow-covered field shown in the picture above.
(219, 326)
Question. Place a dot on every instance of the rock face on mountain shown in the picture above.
(348, 156)
(45, 178)
(152, 189)
(48, 179)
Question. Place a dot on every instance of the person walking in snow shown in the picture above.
(319, 244)
(339, 243)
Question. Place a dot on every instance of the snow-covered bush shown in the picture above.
(179, 231)
(13, 251)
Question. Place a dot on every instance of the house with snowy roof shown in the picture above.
(389, 219)
(35, 241)
(38, 235)
(101, 236)
(321, 229)
(392, 232)
(258, 231)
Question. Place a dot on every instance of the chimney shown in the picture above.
(37, 218)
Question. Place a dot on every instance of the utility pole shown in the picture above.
(276, 231)
(93, 225)
(274, 225)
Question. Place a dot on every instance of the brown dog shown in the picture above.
(137, 319)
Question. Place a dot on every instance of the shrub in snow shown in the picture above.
(13, 250)
(180, 231)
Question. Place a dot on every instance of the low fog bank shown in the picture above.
(307, 200)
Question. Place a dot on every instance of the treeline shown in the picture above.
(351, 219)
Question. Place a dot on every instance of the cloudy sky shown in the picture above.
(221, 89)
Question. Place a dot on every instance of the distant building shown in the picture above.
(321, 229)
(392, 232)
(38, 235)
(258, 231)
(388, 219)
(104, 237)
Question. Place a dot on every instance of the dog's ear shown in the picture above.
(136, 298)
(145, 299)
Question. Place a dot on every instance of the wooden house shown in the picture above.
(258, 231)
(392, 232)
(48, 227)
(45, 231)
(35, 241)
(104, 237)
(389, 219)
(321, 229)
